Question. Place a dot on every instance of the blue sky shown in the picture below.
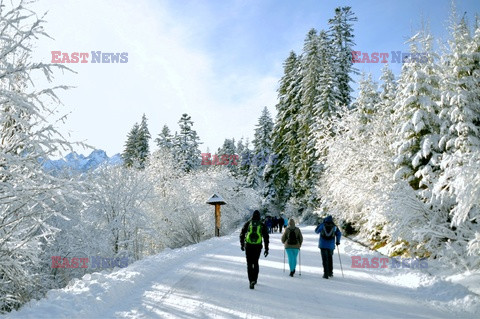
(218, 61)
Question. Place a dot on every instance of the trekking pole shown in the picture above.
(340, 261)
(283, 260)
(300, 261)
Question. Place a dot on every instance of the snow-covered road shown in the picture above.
(209, 280)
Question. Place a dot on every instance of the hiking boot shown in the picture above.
(291, 273)
(325, 276)
(330, 274)
(252, 284)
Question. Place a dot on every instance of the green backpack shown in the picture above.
(254, 234)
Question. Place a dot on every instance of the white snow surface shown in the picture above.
(209, 280)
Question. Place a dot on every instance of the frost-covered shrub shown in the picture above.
(26, 138)
(181, 201)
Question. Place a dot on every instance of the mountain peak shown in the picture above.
(79, 163)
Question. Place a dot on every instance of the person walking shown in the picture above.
(269, 224)
(281, 222)
(251, 242)
(292, 239)
(329, 236)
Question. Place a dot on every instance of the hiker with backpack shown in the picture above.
(329, 236)
(292, 239)
(251, 242)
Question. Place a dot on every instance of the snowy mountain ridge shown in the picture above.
(80, 163)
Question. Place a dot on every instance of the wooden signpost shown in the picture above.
(216, 200)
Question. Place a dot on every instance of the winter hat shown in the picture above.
(328, 219)
(291, 223)
(256, 215)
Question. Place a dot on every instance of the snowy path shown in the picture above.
(209, 280)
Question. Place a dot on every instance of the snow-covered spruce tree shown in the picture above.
(262, 150)
(368, 100)
(388, 92)
(307, 167)
(457, 187)
(416, 113)
(341, 33)
(186, 143)
(129, 154)
(164, 140)
(328, 106)
(419, 153)
(228, 157)
(245, 158)
(460, 97)
(26, 139)
(143, 139)
(137, 145)
(285, 134)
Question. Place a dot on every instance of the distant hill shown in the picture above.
(74, 162)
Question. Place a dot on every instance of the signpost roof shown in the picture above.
(216, 200)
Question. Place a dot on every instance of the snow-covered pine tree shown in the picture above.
(143, 141)
(418, 154)
(328, 104)
(386, 109)
(262, 149)
(228, 156)
(458, 187)
(388, 91)
(461, 94)
(164, 140)
(285, 133)
(368, 99)
(137, 147)
(129, 154)
(245, 158)
(307, 167)
(30, 197)
(416, 113)
(341, 33)
(186, 145)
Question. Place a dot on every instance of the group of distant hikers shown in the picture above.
(255, 230)
(275, 223)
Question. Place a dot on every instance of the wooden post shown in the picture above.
(217, 220)
(216, 200)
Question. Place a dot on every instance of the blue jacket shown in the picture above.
(328, 243)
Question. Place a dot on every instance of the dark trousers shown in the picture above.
(252, 253)
(327, 261)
